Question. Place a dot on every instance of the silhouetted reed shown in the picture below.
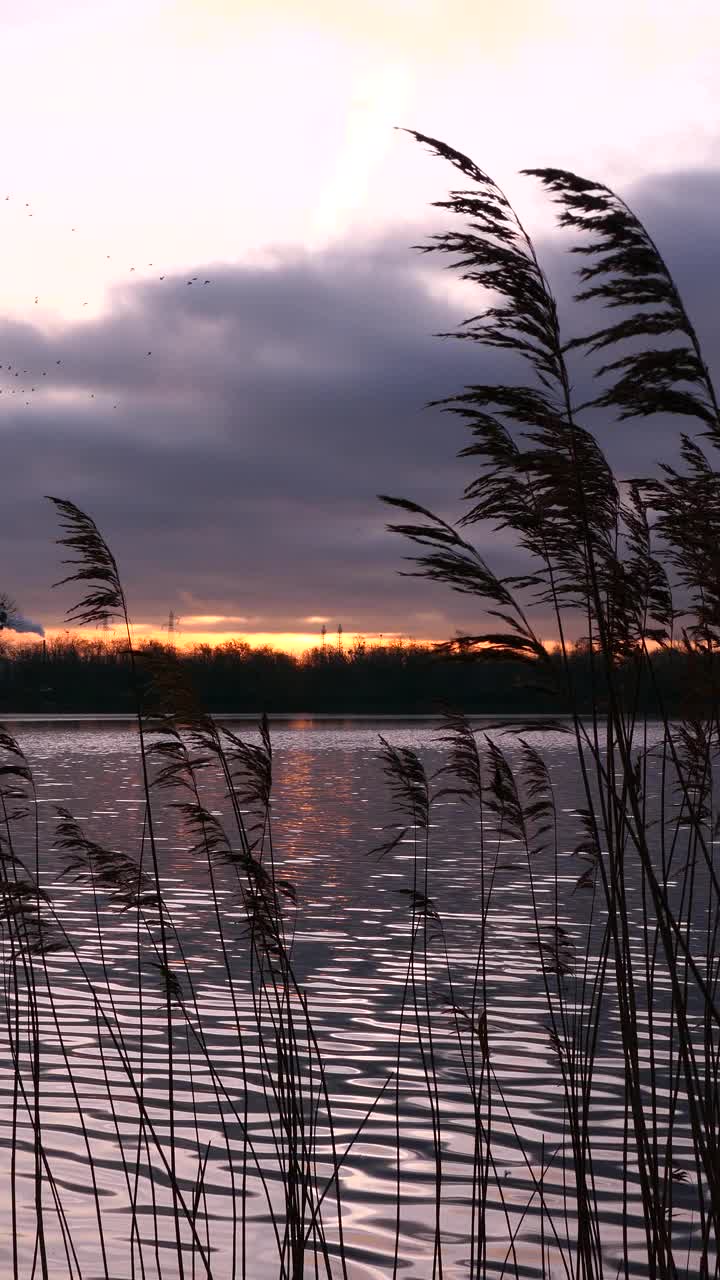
(622, 892)
(636, 561)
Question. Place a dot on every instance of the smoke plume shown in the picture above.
(13, 621)
(27, 624)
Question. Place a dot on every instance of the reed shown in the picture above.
(634, 560)
(622, 893)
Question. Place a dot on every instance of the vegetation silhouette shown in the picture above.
(90, 677)
(623, 890)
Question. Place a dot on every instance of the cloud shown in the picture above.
(211, 620)
(240, 467)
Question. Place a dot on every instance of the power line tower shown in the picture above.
(172, 626)
(340, 637)
(323, 633)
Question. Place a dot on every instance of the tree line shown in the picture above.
(91, 676)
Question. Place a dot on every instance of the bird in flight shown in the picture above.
(85, 303)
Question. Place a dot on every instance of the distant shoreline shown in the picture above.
(126, 717)
(278, 717)
(83, 680)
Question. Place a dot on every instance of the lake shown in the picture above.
(351, 934)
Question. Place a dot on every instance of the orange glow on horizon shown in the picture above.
(293, 642)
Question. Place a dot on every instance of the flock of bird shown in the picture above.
(32, 384)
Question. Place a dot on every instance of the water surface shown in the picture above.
(352, 928)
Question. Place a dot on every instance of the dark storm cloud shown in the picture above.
(239, 470)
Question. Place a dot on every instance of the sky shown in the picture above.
(222, 335)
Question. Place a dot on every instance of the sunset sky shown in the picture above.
(230, 437)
